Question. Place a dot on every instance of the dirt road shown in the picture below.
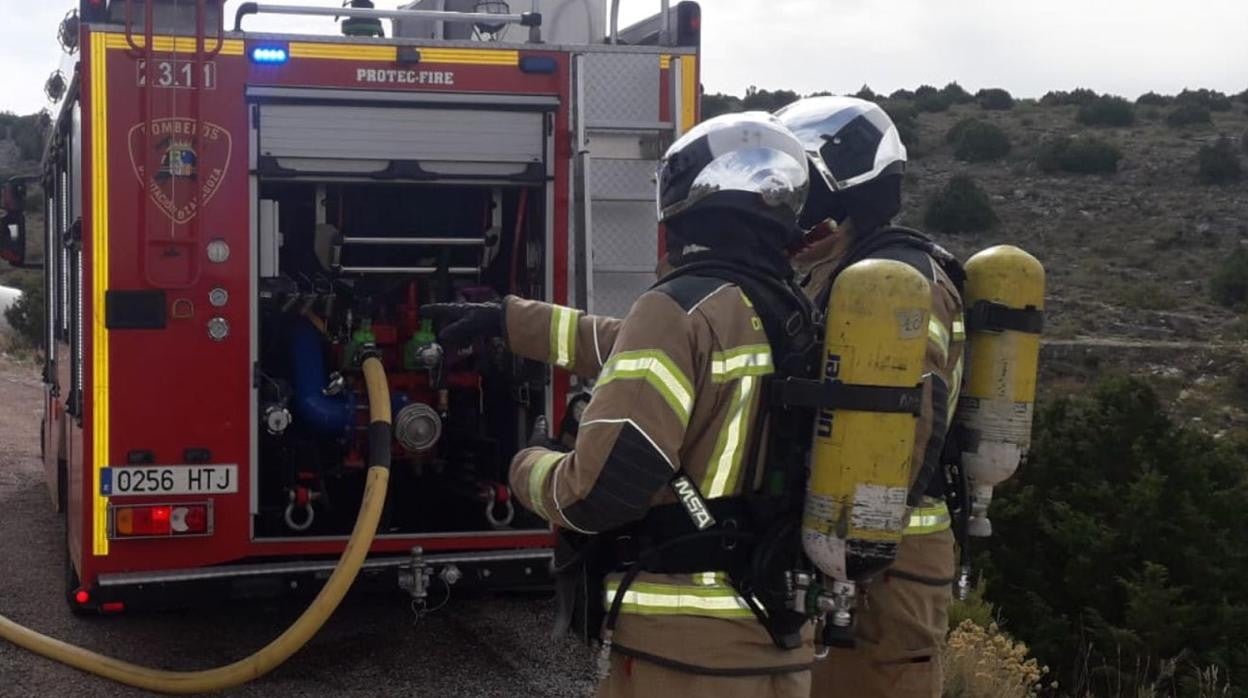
(371, 647)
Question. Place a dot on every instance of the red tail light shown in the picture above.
(161, 520)
(688, 24)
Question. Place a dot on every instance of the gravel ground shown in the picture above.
(491, 646)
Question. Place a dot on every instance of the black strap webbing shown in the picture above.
(989, 316)
(833, 394)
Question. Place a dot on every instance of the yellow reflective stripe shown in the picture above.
(937, 332)
(656, 368)
(924, 520)
(959, 329)
(344, 52)
(98, 263)
(464, 56)
(689, 89)
(645, 598)
(563, 336)
(537, 481)
(170, 44)
(955, 389)
(726, 459)
(428, 55)
(750, 360)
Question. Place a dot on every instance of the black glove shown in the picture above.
(464, 322)
(539, 437)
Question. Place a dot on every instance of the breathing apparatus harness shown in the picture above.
(754, 537)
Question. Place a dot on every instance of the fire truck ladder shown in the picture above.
(620, 134)
(169, 260)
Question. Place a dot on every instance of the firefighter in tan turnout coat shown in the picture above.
(673, 413)
(857, 160)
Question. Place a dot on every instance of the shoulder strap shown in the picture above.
(789, 319)
(899, 237)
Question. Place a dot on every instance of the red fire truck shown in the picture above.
(232, 214)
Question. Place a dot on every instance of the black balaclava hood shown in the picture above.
(730, 236)
(871, 205)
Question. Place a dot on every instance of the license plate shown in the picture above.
(169, 479)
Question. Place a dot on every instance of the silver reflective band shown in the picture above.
(928, 520)
(646, 598)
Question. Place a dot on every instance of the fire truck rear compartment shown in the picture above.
(343, 270)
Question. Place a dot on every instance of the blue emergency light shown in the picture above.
(269, 55)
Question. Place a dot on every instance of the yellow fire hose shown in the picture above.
(298, 634)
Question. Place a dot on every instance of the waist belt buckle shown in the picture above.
(626, 550)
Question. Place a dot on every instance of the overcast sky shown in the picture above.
(1026, 46)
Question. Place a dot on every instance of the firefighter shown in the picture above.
(857, 161)
(674, 418)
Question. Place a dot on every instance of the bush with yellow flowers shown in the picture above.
(984, 662)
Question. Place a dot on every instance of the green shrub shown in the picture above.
(978, 141)
(1076, 97)
(995, 99)
(28, 132)
(954, 93)
(1209, 99)
(925, 91)
(1107, 111)
(906, 117)
(866, 93)
(716, 104)
(1229, 285)
(961, 207)
(1152, 99)
(903, 95)
(1188, 115)
(1242, 96)
(1119, 545)
(1218, 163)
(766, 100)
(1084, 155)
(929, 99)
(26, 315)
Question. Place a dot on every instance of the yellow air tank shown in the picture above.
(1005, 309)
(875, 335)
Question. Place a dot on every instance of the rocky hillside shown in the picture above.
(1129, 255)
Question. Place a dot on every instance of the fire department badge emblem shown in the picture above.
(187, 161)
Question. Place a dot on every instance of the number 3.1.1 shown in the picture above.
(176, 74)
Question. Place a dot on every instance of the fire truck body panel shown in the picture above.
(165, 175)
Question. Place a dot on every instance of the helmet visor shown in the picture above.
(848, 141)
(775, 176)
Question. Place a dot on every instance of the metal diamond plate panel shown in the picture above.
(625, 236)
(622, 88)
(614, 293)
(622, 180)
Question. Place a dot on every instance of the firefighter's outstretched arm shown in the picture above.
(563, 337)
(553, 334)
(628, 444)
